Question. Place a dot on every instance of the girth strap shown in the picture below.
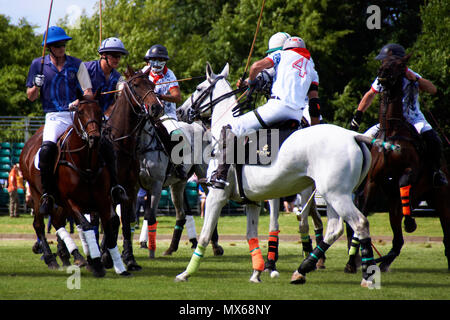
(261, 121)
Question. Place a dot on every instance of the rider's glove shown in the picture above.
(39, 80)
(356, 121)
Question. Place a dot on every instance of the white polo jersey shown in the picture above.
(294, 74)
(411, 106)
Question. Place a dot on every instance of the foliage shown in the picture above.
(220, 31)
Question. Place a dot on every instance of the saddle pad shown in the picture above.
(36, 159)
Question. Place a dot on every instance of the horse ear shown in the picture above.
(407, 57)
(209, 72)
(225, 70)
(129, 71)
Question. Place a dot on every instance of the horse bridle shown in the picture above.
(197, 108)
(82, 132)
(132, 96)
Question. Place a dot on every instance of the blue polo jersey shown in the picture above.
(99, 82)
(60, 87)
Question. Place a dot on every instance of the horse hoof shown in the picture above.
(298, 278)
(168, 252)
(97, 268)
(107, 260)
(410, 225)
(218, 250)
(133, 266)
(256, 276)
(350, 268)
(366, 283)
(143, 245)
(321, 264)
(151, 254)
(37, 249)
(80, 262)
(182, 277)
(384, 267)
(125, 274)
(53, 265)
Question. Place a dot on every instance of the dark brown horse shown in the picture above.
(136, 104)
(404, 175)
(83, 186)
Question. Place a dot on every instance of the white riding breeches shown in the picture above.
(55, 125)
(272, 112)
(421, 127)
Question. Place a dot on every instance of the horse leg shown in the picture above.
(127, 216)
(252, 212)
(272, 252)
(150, 216)
(39, 227)
(191, 232)
(318, 231)
(405, 187)
(111, 227)
(177, 191)
(217, 248)
(334, 231)
(395, 219)
(215, 201)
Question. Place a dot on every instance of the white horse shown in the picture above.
(154, 176)
(327, 155)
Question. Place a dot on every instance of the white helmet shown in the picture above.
(294, 42)
(112, 44)
(276, 41)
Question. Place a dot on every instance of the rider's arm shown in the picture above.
(174, 96)
(259, 66)
(424, 84)
(32, 93)
(366, 101)
(85, 80)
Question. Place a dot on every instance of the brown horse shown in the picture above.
(82, 187)
(404, 175)
(136, 104)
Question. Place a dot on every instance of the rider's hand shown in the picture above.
(241, 83)
(356, 121)
(411, 76)
(39, 80)
(73, 105)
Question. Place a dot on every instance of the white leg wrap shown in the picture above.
(83, 241)
(190, 227)
(65, 236)
(144, 232)
(117, 260)
(92, 244)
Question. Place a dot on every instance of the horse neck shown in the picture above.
(122, 120)
(78, 151)
(391, 107)
(222, 113)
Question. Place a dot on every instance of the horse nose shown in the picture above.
(94, 140)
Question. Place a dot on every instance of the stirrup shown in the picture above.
(121, 194)
(218, 183)
(47, 202)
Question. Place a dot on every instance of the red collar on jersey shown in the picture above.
(302, 51)
(157, 76)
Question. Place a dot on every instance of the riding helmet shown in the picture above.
(55, 34)
(294, 42)
(157, 51)
(276, 41)
(112, 45)
(393, 49)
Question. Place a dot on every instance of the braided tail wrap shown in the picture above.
(194, 264)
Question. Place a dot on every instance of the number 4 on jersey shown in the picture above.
(300, 67)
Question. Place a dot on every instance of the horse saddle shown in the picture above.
(262, 146)
(60, 144)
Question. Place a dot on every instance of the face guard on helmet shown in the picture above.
(276, 41)
(294, 42)
(157, 57)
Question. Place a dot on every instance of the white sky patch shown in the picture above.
(74, 12)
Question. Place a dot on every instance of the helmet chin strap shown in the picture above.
(107, 62)
(54, 56)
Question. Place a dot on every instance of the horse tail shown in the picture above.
(362, 142)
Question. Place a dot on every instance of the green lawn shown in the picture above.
(420, 272)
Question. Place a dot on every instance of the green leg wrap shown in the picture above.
(194, 264)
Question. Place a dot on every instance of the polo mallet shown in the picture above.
(307, 205)
(45, 38)
(100, 15)
(254, 40)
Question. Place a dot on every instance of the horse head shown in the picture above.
(200, 103)
(87, 120)
(140, 92)
(392, 71)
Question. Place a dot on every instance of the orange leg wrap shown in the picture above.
(404, 196)
(152, 236)
(255, 251)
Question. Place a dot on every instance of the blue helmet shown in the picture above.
(112, 45)
(55, 34)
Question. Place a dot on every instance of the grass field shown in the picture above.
(419, 273)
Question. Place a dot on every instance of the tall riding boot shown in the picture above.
(219, 177)
(47, 157)
(434, 149)
(118, 193)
